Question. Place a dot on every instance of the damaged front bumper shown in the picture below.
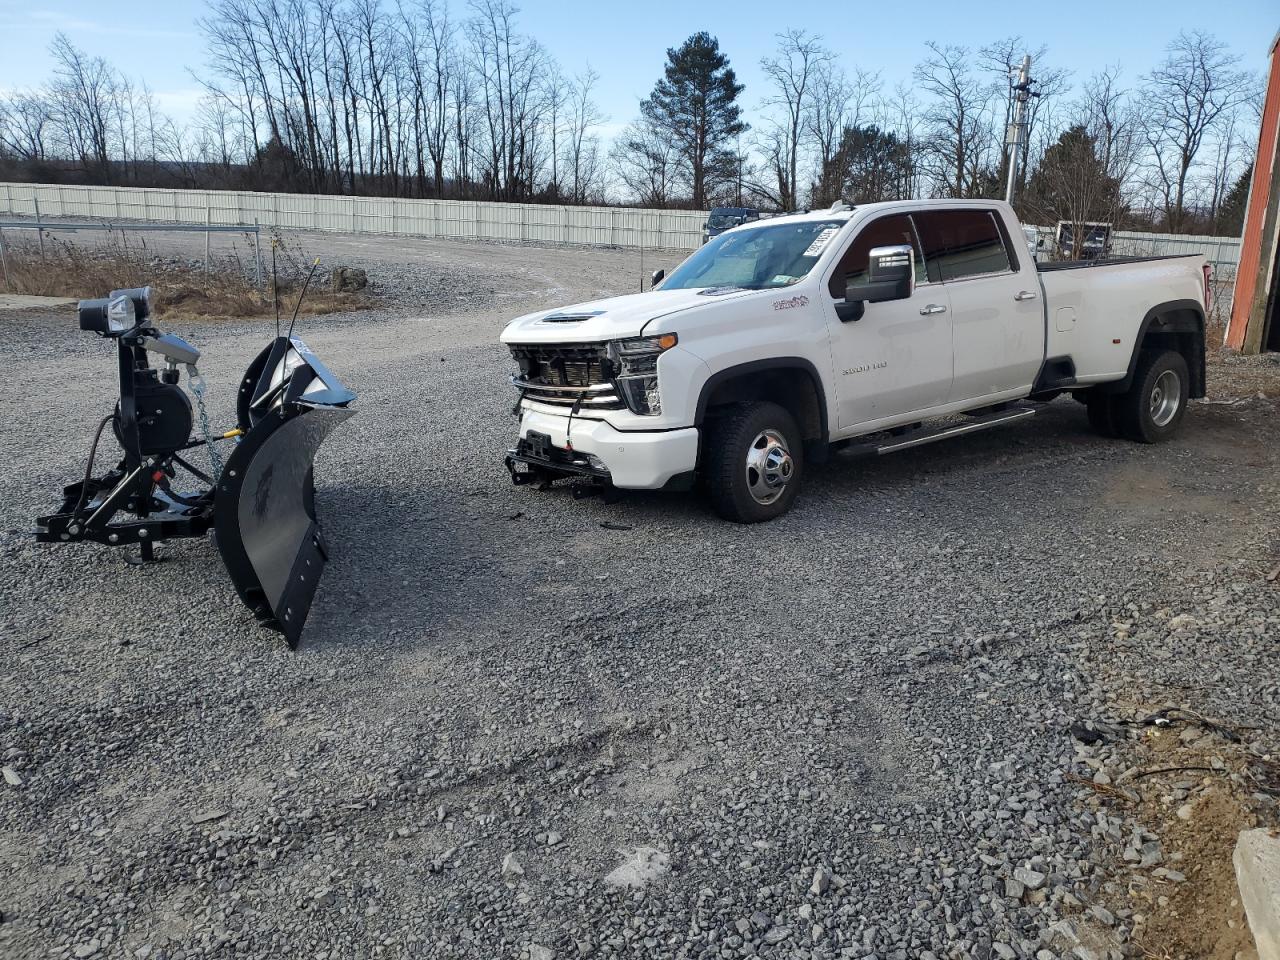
(552, 446)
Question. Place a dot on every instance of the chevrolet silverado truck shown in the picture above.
(881, 327)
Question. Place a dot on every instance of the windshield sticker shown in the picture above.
(791, 303)
(782, 280)
(820, 242)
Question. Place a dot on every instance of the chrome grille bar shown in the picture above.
(566, 375)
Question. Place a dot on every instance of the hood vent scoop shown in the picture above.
(570, 317)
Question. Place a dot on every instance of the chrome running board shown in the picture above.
(920, 437)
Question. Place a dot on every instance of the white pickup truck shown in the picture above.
(873, 326)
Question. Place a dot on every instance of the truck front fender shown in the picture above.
(749, 378)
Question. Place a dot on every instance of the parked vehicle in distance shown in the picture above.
(726, 218)
(1032, 236)
(1087, 240)
(868, 327)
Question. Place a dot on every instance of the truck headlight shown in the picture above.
(636, 362)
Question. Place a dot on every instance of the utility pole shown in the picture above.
(1016, 134)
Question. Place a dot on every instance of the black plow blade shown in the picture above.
(265, 519)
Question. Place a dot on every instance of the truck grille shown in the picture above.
(567, 375)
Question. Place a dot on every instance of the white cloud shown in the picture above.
(54, 20)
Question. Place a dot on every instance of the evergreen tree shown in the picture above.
(1071, 183)
(696, 105)
(868, 166)
(1231, 213)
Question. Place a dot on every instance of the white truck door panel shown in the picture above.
(896, 359)
(997, 314)
(998, 339)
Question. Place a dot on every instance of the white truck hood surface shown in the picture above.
(610, 319)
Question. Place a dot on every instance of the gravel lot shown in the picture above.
(513, 732)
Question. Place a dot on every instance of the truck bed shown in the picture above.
(1055, 265)
(1095, 309)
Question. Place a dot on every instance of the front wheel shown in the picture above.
(755, 456)
(1153, 407)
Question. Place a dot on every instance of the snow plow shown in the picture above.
(260, 503)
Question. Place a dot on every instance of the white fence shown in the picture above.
(454, 219)
(451, 219)
(1220, 251)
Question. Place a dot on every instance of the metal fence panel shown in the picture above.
(457, 219)
(1220, 251)
(454, 219)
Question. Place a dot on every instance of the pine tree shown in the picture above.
(696, 105)
(869, 165)
(1071, 183)
(1230, 221)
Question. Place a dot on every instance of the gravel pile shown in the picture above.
(514, 732)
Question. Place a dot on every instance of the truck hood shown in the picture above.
(612, 318)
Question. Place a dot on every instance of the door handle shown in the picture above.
(1024, 295)
(931, 309)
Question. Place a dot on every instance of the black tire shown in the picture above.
(1102, 413)
(740, 429)
(1152, 408)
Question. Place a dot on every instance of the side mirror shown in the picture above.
(657, 278)
(890, 276)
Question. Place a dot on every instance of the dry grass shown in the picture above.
(183, 290)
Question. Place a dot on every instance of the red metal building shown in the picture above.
(1255, 308)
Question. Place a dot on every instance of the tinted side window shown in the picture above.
(962, 243)
(885, 232)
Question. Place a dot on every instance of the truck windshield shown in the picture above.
(776, 255)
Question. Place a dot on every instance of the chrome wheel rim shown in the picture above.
(1166, 398)
(769, 467)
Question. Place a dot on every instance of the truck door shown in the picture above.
(997, 317)
(895, 359)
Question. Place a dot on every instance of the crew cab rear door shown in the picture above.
(997, 317)
(896, 358)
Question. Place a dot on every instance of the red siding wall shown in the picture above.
(1248, 273)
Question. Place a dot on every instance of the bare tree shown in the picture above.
(1003, 59)
(1109, 114)
(959, 138)
(509, 68)
(466, 120)
(837, 102)
(791, 72)
(583, 150)
(26, 122)
(1185, 99)
(85, 93)
(441, 65)
(648, 163)
(900, 113)
(1223, 171)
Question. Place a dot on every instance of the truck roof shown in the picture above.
(847, 211)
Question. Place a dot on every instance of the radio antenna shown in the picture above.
(275, 287)
(306, 283)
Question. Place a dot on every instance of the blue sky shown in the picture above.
(626, 42)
